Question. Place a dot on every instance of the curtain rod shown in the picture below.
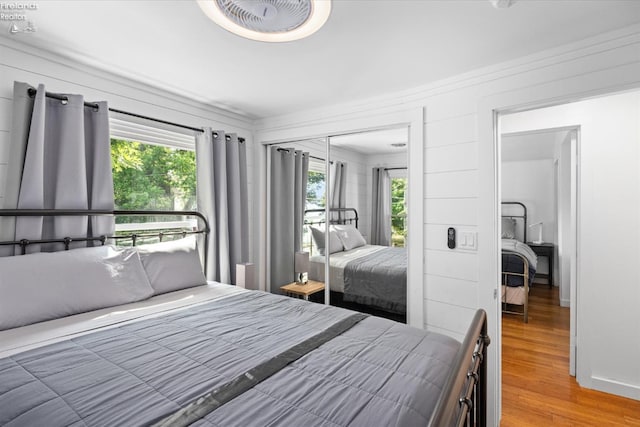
(64, 98)
(393, 169)
(310, 156)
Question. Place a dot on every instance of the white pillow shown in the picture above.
(44, 286)
(508, 228)
(172, 265)
(335, 245)
(349, 236)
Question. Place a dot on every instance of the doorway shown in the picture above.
(604, 177)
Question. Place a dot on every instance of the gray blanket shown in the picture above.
(376, 373)
(378, 280)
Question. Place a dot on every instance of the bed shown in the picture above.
(213, 354)
(519, 262)
(370, 275)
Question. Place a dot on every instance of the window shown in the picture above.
(149, 176)
(153, 169)
(398, 212)
(315, 190)
(316, 199)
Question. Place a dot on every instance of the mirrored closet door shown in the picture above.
(368, 181)
(337, 220)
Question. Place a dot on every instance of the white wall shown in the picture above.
(532, 183)
(26, 64)
(608, 233)
(460, 181)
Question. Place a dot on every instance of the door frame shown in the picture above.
(529, 98)
(574, 219)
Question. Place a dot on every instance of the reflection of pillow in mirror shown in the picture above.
(349, 236)
(508, 228)
(335, 245)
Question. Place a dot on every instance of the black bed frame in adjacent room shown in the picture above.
(522, 216)
(463, 401)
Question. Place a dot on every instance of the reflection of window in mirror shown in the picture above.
(316, 199)
(398, 210)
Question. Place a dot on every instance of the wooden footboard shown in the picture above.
(463, 401)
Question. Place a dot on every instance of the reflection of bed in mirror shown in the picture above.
(370, 275)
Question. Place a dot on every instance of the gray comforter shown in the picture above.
(378, 280)
(378, 372)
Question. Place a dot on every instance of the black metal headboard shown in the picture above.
(343, 216)
(340, 216)
(132, 237)
(522, 216)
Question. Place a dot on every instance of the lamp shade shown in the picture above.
(302, 262)
(246, 275)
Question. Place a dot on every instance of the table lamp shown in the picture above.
(539, 240)
(302, 267)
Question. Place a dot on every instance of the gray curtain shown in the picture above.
(65, 149)
(288, 194)
(338, 182)
(381, 208)
(222, 193)
(22, 109)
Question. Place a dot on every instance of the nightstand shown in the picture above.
(298, 290)
(546, 250)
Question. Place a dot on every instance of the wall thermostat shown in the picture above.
(451, 238)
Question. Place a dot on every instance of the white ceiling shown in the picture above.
(367, 48)
(541, 145)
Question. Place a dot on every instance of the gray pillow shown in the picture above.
(335, 245)
(44, 286)
(172, 265)
(349, 236)
(508, 228)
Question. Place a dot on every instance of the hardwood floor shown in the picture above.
(537, 389)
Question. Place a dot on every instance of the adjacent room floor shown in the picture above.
(536, 387)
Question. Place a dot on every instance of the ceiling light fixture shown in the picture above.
(268, 20)
(502, 4)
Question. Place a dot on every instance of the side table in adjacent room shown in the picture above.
(546, 250)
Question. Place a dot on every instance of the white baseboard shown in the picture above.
(565, 303)
(631, 391)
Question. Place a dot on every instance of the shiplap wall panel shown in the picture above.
(453, 291)
(451, 317)
(451, 185)
(449, 131)
(451, 211)
(457, 265)
(448, 158)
